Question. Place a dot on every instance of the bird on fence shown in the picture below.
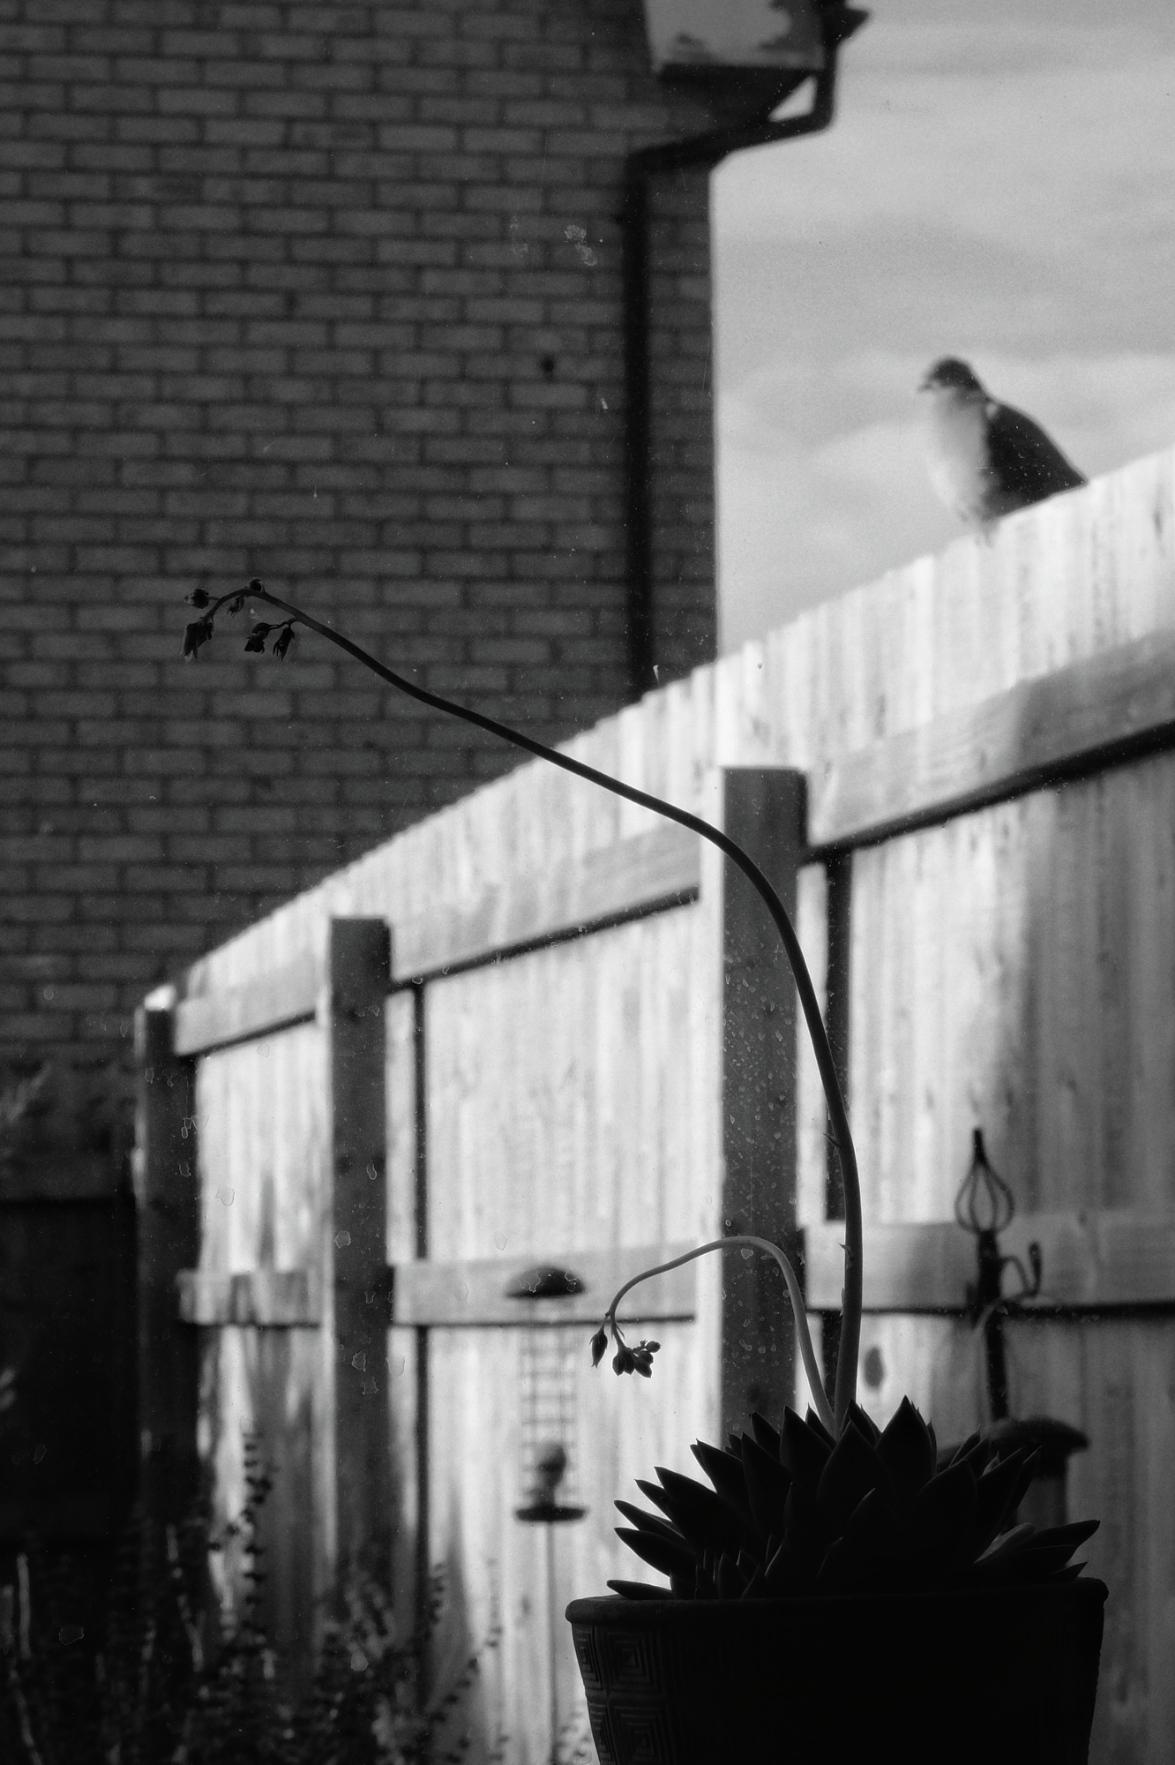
(985, 458)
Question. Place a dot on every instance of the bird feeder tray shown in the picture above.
(544, 1281)
(699, 35)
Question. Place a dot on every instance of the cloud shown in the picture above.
(999, 191)
(798, 521)
(802, 519)
(1024, 157)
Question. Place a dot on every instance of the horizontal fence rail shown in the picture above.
(1092, 714)
(1114, 1261)
(1117, 1260)
(638, 875)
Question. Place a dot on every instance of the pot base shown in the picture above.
(958, 1678)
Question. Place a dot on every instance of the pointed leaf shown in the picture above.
(813, 1421)
(866, 1549)
(697, 1512)
(999, 1491)
(672, 1556)
(906, 1449)
(1045, 1553)
(942, 1526)
(863, 1422)
(767, 1484)
(638, 1590)
(997, 1562)
(804, 1537)
(873, 1529)
(725, 1471)
(852, 1470)
(728, 1578)
(782, 1573)
(650, 1523)
(803, 1450)
(764, 1433)
(974, 1444)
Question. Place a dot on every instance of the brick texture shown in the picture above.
(331, 295)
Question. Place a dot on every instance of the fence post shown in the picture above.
(764, 810)
(167, 1233)
(355, 1295)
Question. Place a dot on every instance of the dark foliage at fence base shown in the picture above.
(167, 1680)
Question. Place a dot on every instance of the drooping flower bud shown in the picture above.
(196, 633)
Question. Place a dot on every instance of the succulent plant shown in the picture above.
(797, 1511)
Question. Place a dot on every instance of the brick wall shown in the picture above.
(331, 295)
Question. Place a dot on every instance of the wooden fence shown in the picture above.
(544, 1027)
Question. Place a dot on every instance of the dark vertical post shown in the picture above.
(358, 968)
(168, 1239)
(839, 923)
(765, 811)
(422, 1564)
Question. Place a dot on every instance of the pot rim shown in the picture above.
(590, 1608)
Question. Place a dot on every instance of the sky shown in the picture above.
(999, 184)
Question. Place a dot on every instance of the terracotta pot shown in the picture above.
(1003, 1674)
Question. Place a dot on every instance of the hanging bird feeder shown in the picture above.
(548, 1418)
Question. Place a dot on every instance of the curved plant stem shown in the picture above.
(849, 1347)
(794, 1292)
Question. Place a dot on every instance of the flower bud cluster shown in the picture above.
(278, 639)
(627, 1359)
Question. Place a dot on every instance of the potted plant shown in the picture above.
(834, 1589)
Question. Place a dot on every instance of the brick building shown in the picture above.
(390, 305)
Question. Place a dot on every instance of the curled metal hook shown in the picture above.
(1029, 1287)
(985, 1206)
(984, 1202)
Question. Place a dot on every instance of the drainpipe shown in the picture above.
(640, 169)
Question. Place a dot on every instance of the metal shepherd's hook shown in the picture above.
(985, 1207)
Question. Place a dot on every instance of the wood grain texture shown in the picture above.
(1099, 712)
(764, 813)
(582, 1121)
(355, 1313)
(262, 1113)
(234, 1014)
(266, 1298)
(1113, 1260)
(167, 1200)
(637, 875)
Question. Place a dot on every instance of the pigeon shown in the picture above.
(985, 458)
